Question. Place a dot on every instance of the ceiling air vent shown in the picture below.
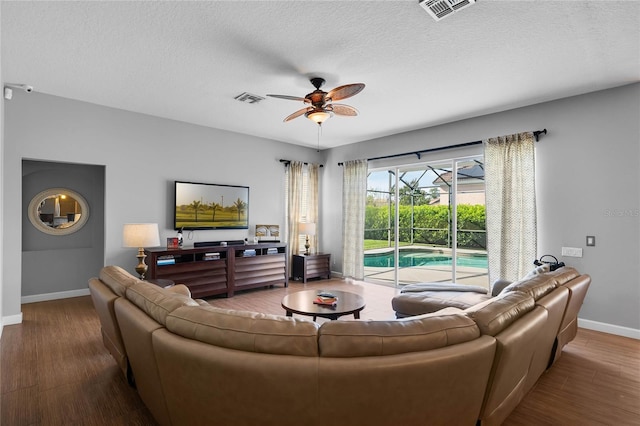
(439, 9)
(249, 98)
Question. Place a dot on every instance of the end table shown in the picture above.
(311, 266)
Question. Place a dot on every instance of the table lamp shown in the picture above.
(140, 235)
(307, 229)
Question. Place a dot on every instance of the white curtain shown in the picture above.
(510, 205)
(312, 203)
(354, 194)
(302, 204)
(294, 203)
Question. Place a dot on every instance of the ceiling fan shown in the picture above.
(320, 104)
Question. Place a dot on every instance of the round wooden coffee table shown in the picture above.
(301, 303)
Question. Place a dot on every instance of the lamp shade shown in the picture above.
(140, 235)
(307, 228)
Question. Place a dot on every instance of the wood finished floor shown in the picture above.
(56, 371)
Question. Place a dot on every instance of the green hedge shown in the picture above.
(430, 225)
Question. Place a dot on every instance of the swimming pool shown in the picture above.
(422, 257)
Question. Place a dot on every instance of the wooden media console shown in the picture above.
(214, 270)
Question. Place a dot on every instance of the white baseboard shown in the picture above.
(17, 319)
(609, 328)
(12, 320)
(54, 296)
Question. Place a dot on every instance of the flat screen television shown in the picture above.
(210, 206)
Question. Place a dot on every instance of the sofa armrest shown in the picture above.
(499, 285)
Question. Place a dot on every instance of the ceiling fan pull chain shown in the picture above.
(319, 132)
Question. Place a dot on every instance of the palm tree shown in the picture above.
(215, 206)
(240, 206)
(195, 206)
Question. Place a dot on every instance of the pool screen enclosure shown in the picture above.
(426, 223)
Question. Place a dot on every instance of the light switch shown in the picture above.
(591, 240)
(572, 251)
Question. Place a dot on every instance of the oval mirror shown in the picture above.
(58, 211)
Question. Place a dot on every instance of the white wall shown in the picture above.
(588, 183)
(142, 156)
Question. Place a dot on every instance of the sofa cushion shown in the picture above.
(155, 301)
(246, 331)
(536, 287)
(117, 279)
(179, 289)
(432, 301)
(375, 338)
(420, 287)
(497, 313)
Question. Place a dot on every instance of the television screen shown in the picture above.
(211, 206)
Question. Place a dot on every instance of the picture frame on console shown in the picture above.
(200, 206)
(268, 233)
(172, 243)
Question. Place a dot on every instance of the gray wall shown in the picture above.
(588, 183)
(587, 168)
(142, 156)
(67, 259)
(1, 192)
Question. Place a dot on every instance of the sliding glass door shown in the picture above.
(425, 223)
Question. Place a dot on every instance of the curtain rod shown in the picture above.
(536, 134)
(287, 162)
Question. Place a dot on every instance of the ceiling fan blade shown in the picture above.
(346, 91)
(290, 98)
(347, 110)
(297, 114)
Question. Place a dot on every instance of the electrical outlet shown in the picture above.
(571, 251)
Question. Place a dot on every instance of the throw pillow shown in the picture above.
(545, 267)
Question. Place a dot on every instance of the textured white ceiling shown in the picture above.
(188, 60)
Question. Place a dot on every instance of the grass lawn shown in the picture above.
(377, 244)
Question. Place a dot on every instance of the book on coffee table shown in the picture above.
(328, 300)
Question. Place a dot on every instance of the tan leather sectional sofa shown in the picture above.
(560, 292)
(197, 364)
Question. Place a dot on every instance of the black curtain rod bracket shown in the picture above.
(537, 134)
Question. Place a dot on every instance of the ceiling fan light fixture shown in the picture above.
(319, 107)
(319, 116)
